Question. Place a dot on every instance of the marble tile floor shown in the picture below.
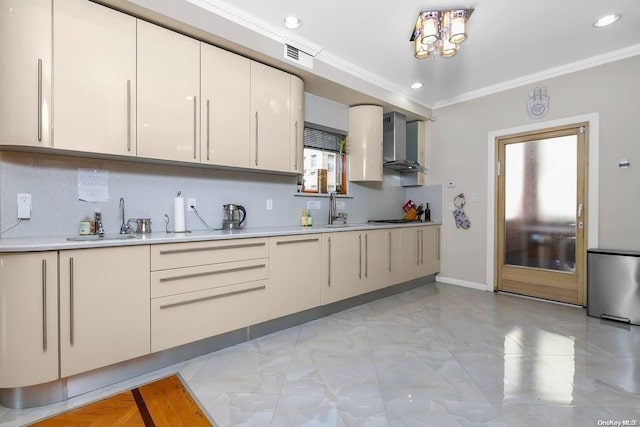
(437, 355)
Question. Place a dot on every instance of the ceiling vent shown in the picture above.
(299, 57)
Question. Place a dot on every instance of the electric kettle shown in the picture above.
(234, 216)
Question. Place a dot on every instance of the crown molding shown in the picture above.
(572, 67)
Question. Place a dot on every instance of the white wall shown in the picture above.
(458, 147)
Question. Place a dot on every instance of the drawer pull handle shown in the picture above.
(210, 248)
(212, 273)
(228, 294)
(290, 242)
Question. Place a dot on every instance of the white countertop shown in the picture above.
(52, 243)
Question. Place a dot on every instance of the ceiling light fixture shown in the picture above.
(292, 22)
(607, 20)
(416, 85)
(439, 32)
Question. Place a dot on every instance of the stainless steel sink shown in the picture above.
(95, 238)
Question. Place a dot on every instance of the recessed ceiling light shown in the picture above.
(416, 85)
(607, 20)
(292, 22)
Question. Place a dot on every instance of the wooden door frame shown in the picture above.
(593, 199)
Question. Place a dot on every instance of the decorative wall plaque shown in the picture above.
(538, 103)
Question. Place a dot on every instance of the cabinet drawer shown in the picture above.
(178, 255)
(190, 279)
(184, 318)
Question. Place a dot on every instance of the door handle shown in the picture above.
(195, 124)
(44, 305)
(580, 209)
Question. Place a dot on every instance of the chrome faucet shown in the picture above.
(333, 214)
(125, 228)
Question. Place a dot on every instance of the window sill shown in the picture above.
(339, 196)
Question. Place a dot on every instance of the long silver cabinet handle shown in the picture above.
(212, 273)
(195, 124)
(366, 255)
(128, 115)
(208, 127)
(71, 308)
(39, 99)
(290, 242)
(44, 305)
(228, 294)
(257, 138)
(438, 243)
(329, 275)
(421, 246)
(211, 248)
(389, 251)
(360, 259)
(295, 165)
(417, 247)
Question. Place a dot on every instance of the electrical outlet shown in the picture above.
(451, 184)
(190, 203)
(341, 206)
(24, 206)
(269, 204)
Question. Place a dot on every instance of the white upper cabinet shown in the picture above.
(25, 73)
(95, 78)
(365, 143)
(225, 107)
(297, 125)
(168, 89)
(270, 118)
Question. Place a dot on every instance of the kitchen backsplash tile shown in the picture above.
(149, 189)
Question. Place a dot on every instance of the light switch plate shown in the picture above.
(269, 204)
(451, 183)
(314, 205)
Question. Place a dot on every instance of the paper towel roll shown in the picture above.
(178, 215)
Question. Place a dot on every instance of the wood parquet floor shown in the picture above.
(165, 402)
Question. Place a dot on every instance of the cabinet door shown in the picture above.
(270, 118)
(365, 143)
(168, 90)
(411, 246)
(394, 262)
(376, 260)
(297, 124)
(295, 274)
(104, 307)
(25, 67)
(29, 313)
(95, 83)
(342, 266)
(225, 106)
(430, 250)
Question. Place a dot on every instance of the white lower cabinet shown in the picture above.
(341, 266)
(420, 251)
(28, 319)
(204, 289)
(104, 307)
(381, 258)
(295, 274)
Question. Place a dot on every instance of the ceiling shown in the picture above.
(361, 50)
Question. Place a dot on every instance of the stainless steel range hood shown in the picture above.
(394, 145)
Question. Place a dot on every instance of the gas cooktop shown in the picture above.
(392, 221)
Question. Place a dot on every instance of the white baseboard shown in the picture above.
(463, 283)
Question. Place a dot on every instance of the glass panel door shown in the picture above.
(540, 200)
(541, 216)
